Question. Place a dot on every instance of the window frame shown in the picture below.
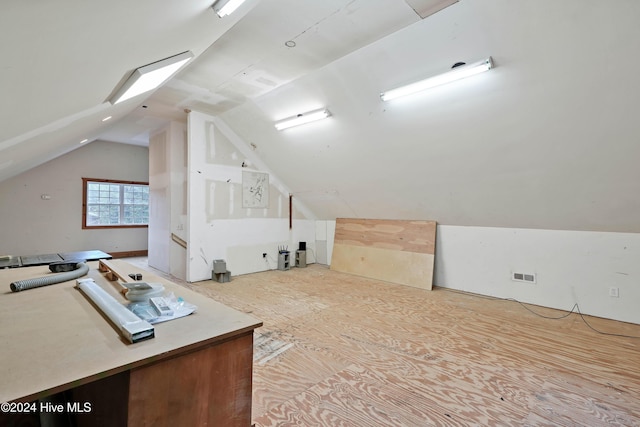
(85, 182)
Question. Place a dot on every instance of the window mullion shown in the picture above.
(121, 204)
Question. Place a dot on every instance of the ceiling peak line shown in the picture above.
(330, 15)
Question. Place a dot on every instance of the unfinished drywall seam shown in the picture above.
(243, 147)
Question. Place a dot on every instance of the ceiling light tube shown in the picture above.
(226, 7)
(455, 74)
(150, 76)
(301, 119)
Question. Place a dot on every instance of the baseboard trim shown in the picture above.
(128, 254)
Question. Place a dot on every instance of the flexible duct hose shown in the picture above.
(22, 285)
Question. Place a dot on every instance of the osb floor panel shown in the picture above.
(341, 350)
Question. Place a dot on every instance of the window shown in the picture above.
(109, 204)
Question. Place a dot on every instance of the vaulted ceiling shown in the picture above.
(547, 139)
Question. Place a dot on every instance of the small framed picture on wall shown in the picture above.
(255, 189)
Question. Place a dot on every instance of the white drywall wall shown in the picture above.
(571, 267)
(241, 243)
(159, 202)
(167, 198)
(219, 227)
(178, 177)
(325, 232)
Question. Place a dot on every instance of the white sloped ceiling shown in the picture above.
(547, 139)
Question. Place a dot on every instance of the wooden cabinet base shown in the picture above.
(207, 387)
(210, 386)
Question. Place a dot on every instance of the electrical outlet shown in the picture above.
(614, 292)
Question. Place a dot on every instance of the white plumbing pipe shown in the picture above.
(131, 326)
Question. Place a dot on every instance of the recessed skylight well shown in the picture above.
(150, 76)
(226, 7)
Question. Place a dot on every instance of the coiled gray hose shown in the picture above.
(22, 285)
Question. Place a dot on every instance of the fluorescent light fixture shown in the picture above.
(226, 7)
(301, 119)
(457, 73)
(150, 76)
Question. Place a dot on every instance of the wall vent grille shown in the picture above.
(523, 277)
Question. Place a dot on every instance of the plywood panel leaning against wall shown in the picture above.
(397, 251)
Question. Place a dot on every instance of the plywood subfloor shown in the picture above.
(342, 350)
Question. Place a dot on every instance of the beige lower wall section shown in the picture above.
(31, 224)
